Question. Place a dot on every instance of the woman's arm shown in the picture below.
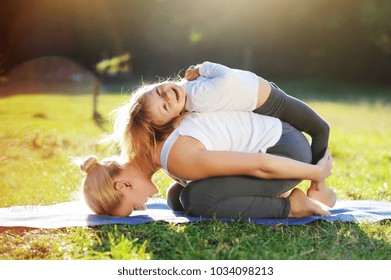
(188, 159)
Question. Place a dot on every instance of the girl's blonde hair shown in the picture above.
(136, 134)
(99, 189)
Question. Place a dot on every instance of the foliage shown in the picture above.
(112, 66)
(332, 39)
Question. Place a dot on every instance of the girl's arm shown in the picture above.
(212, 91)
(208, 70)
(222, 83)
(192, 73)
(189, 160)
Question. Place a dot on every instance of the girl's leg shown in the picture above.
(301, 116)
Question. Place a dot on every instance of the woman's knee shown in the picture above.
(293, 144)
(202, 197)
(173, 196)
(196, 199)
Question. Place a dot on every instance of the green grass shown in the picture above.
(40, 133)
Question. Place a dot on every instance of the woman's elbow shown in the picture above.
(268, 170)
(262, 174)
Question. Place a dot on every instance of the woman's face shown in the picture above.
(136, 187)
(165, 102)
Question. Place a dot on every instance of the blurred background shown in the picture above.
(65, 45)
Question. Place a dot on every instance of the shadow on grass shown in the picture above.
(223, 241)
(207, 240)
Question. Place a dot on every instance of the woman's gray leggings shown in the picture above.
(243, 196)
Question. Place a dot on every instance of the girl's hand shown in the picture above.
(192, 73)
(326, 164)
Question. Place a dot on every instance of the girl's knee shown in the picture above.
(325, 128)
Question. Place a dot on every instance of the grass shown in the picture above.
(40, 133)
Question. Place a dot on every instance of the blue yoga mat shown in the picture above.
(76, 213)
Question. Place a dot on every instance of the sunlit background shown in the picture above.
(57, 45)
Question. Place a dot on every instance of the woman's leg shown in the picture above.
(248, 197)
(241, 195)
(301, 116)
(173, 194)
(292, 144)
(236, 196)
(284, 147)
(210, 198)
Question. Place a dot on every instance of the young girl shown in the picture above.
(215, 87)
(156, 109)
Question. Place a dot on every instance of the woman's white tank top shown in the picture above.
(234, 131)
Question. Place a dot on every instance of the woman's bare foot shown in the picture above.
(302, 206)
(324, 195)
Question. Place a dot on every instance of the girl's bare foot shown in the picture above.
(302, 206)
(324, 195)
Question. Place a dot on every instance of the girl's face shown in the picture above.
(136, 187)
(165, 102)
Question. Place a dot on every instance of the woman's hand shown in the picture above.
(192, 73)
(325, 164)
(315, 184)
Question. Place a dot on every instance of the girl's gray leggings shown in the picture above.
(243, 196)
(301, 116)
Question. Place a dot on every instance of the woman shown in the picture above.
(248, 195)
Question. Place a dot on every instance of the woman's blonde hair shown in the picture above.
(99, 189)
(136, 134)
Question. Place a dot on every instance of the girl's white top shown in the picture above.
(220, 88)
(227, 131)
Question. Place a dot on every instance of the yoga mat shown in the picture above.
(76, 213)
